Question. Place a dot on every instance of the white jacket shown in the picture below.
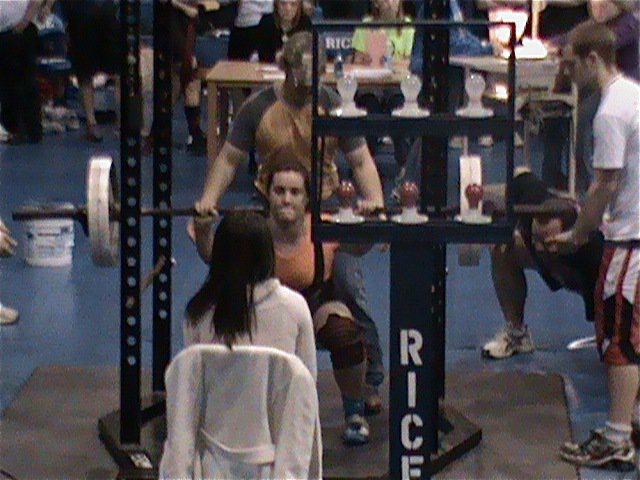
(246, 413)
(282, 321)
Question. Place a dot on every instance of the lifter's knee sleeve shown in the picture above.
(343, 338)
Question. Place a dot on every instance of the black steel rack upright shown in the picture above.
(133, 434)
(425, 435)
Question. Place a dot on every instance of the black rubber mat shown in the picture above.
(50, 430)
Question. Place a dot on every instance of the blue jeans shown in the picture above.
(349, 287)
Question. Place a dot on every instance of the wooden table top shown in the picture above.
(236, 74)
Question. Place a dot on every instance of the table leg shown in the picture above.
(223, 114)
(213, 121)
(572, 141)
(527, 144)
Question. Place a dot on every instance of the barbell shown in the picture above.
(100, 217)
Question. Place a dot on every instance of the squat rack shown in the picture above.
(122, 430)
(425, 435)
(418, 251)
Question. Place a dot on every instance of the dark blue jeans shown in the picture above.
(349, 287)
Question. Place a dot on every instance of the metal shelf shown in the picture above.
(441, 125)
(433, 231)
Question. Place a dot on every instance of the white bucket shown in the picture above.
(48, 243)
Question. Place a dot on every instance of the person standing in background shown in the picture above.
(19, 93)
(612, 206)
(94, 46)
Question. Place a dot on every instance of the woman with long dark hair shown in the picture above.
(288, 17)
(240, 301)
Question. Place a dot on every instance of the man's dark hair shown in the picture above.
(590, 37)
(287, 165)
(242, 256)
(565, 210)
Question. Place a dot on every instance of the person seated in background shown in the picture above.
(277, 121)
(288, 17)
(371, 47)
(7, 249)
(307, 267)
(577, 272)
(241, 259)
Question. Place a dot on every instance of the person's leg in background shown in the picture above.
(197, 144)
(184, 58)
(369, 101)
(31, 103)
(349, 287)
(510, 285)
(455, 100)
(555, 140)
(8, 96)
(87, 95)
(392, 99)
(19, 92)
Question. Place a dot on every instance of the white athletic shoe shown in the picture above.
(8, 315)
(356, 431)
(456, 142)
(486, 141)
(635, 428)
(507, 343)
(4, 135)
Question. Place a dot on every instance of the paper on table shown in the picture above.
(269, 68)
(273, 76)
(361, 71)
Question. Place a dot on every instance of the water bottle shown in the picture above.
(388, 58)
(338, 65)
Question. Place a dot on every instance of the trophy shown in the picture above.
(346, 195)
(474, 86)
(410, 87)
(347, 86)
(409, 196)
(474, 193)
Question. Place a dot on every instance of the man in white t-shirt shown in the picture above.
(613, 205)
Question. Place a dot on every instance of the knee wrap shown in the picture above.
(343, 338)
